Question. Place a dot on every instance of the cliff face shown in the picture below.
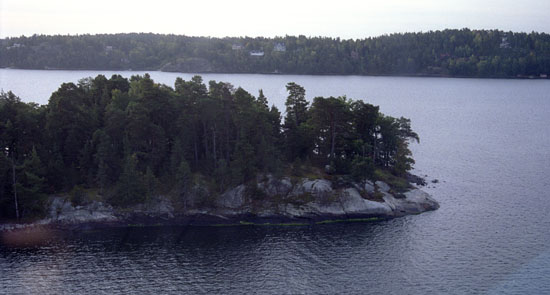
(274, 200)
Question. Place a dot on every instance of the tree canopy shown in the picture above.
(132, 138)
(460, 53)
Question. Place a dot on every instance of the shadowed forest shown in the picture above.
(133, 138)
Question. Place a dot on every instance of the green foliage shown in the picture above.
(222, 175)
(130, 186)
(296, 129)
(253, 192)
(205, 199)
(331, 221)
(247, 223)
(103, 157)
(30, 183)
(78, 196)
(126, 137)
(376, 196)
(184, 178)
(296, 105)
(362, 168)
(296, 168)
(151, 183)
(330, 120)
(399, 184)
(465, 52)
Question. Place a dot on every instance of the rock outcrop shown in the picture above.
(273, 199)
(63, 211)
(318, 199)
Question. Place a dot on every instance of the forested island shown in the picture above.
(195, 149)
(452, 53)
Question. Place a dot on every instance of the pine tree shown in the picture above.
(151, 183)
(130, 188)
(296, 133)
(30, 182)
(102, 159)
(262, 100)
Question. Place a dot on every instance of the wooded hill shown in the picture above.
(460, 53)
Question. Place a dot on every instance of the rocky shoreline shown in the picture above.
(275, 202)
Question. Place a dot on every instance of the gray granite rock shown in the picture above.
(274, 186)
(369, 187)
(61, 210)
(233, 198)
(382, 186)
(305, 200)
(353, 204)
(415, 201)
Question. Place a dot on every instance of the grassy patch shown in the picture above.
(225, 224)
(273, 224)
(135, 225)
(331, 221)
(398, 184)
(80, 196)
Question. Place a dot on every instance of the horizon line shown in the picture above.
(271, 37)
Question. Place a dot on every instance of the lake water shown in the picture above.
(486, 141)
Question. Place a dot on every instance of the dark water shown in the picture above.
(486, 141)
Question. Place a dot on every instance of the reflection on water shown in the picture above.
(487, 142)
(381, 257)
(209, 259)
(27, 238)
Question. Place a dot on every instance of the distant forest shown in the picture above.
(455, 53)
(132, 139)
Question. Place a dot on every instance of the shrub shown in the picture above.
(78, 196)
(253, 192)
(362, 168)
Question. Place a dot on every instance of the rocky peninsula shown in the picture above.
(276, 201)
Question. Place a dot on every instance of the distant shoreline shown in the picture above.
(460, 53)
(283, 74)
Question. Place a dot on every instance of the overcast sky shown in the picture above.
(335, 18)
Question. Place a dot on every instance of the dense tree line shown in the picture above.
(469, 53)
(126, 137)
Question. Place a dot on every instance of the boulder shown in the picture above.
(382, 186)
(369, 187)
(61, 210)
(323, 209)
(160, 206)
(415, 201)
(232, 198)
(421, 200)
(314, 187)
(275, 187)
(354, 204)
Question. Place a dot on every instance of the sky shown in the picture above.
(336, 18)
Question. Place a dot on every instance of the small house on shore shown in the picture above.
(256, 53)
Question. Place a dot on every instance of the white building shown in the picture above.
(280, 47)
(15, 45)
(256, 53)
(504, 43)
